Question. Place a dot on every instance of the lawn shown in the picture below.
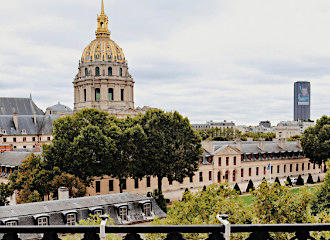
(248, 199)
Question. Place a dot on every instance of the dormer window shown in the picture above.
(42, 221)
(11, 223)
(147, 209)
(123, 213)
(71, 219)
(23, 131)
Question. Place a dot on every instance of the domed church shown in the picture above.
(103, 81)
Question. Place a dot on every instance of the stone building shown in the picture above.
(59, 109)
(103, 81)
(232, 162)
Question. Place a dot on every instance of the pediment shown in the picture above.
(227, 150)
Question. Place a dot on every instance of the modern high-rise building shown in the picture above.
(302, 101)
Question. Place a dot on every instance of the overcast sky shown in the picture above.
(209, 59)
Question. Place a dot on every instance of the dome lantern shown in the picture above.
(102, 24)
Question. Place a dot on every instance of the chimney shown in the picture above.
(15, 120)
(281, 143)
(238, 143)
(34, 118)
(261, 144)
(63, 193)
(208, 146)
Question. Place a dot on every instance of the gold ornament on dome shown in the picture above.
(103, 48)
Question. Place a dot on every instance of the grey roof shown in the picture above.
(22, 106)
(44, 124)
(59, 108)
(13, 158)
(252, 147)
(12, 211)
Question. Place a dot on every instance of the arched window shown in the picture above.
(219, 177)
(109, 71)
(86, 71)
(227, 175)
(85, 95)
(97, 94)
(110, 94)
(121, 72)
(97, 71)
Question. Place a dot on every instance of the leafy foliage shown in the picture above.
(237, 189)
(5, 192)
(250, 186)
(300, 181)
(316, 141)
(219, 134)
(160, 199)
(288, 181)
(277, 180)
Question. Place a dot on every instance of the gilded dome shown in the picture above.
(103, 49)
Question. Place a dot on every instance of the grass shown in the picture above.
(248, 199)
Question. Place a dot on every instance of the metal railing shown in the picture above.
(256, 231)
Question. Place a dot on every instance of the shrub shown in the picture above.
(310, 179)
(160, 199)
(237, 189)
(300, 181)
(250, 186)
(318, 179)
(288, 181)
(277, 180)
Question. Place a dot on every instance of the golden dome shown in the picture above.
(103, 49)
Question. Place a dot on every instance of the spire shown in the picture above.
(102, 24)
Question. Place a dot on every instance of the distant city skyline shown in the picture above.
(215, 60)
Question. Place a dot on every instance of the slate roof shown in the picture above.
(59, 108)
(252, 147)
(14, 158)
(22, 106)
(46, 207)
(26, 122)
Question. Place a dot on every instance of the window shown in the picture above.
(24, 146)
(48, 138)
(120, 72)
(85, 95)
(123, 183)
(250, 172)
(227, 161)
(98, 186)
(97, 94)
(97, 71)
(109, 71)
(302, 167)
(219, 161)
(123, 213)
(257, 171)
(191, 178)
(234, 175)
(309, 166)
(86, 71)
(170, 181)
(314, 166)
(24, 139)
(147, 209)
(278, 169)
(11, 223)
(290, 167)
(284, 168)
(43, 221)
(201, 176)
(148, 181)
(71, 219)
(234, 160)
(4, 139)
(264, 170)
(136, 183)
(110, 94)
(271, 170)
(210, 175)
(110, 185)
(14, 139)
(242, 172)
(219, 177)
(226, 175)
(98, 212)
(297, 167)
(122, 94)
(33, 139)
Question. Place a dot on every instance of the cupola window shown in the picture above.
(121, 72)
(109, 71)
(86, 71)
(85, 95)
(110, 93)
(122, 94)
(97, 94)
(97, 71)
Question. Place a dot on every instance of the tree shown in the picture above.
(294, 138)
(310, 179)
(315, 141)
(173, 148)
(75, 185)
(300, 181)
(250, 186)
(277, 180)
(237, 189)
(160, 199)
(5, 192)
(288, 181)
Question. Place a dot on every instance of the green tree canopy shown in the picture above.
(173, 148)
(315, 141)
(5, 192)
